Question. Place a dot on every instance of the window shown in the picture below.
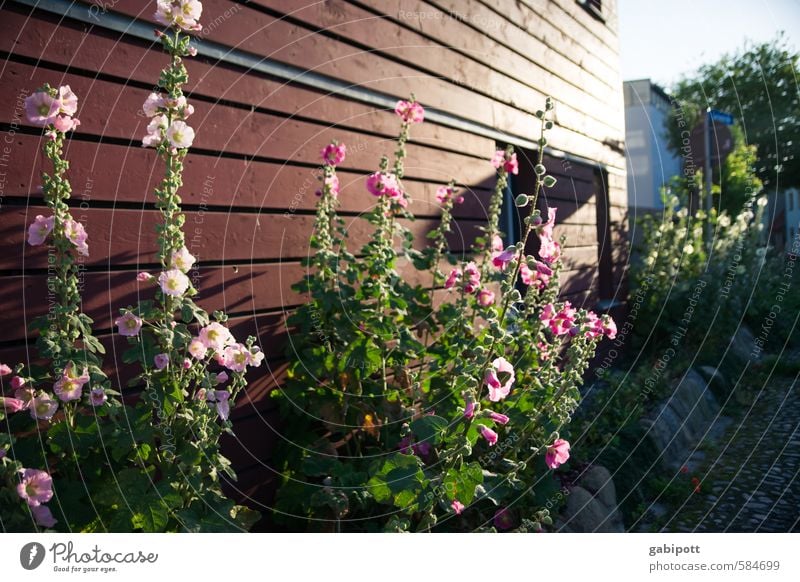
(593, 7)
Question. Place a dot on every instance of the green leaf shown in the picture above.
(429, 429)
(460, 484)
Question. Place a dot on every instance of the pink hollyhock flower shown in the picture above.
(410, 111)
(473, 277)
(161, 361)
(26, 395)
(503, 519)
(549, 249)
(332, 184)
(155, 130)
(254, 357)
(35, 487)
(334, 153)
(40, 229)
(144, 277)
(200, 394)
(222, 403)
(17, 382)
(236, 357)
(43, 407)
(5, 370)
(538, 278)
(216, 336)
(180, 135)
(65, 123)
(502, 259)
(173, 282)
(488, 434)
(485, 298)
(609, 327)
(182, 260)
(11, 405)
(384, 184)
(452, 278)
(457, 506)
(544, 351)
(43, 516)
(98, 397)
(197, 349)
(76, 234)
(70, 386)
(497, 243)
(560, 322)
(445, 194)
(498, 390)
(41, 108)
(186, 364)
(509, 164)
(557, 454)
(222, 377)
(469, 407)
(68, 101)
(498, 418)
(152, 104)
(128, 324)
(192, 51)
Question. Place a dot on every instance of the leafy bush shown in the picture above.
(414, 406)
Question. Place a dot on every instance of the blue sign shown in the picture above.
(721, 116)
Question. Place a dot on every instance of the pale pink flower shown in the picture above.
(5, 370)
(334, 153)
(173, 282)
(43, 516)
(180, 135)
(410, 111)
(68, 101)
(70, 386)
(11, 405)
(502, 259)
(485, 298)
(182, 259)
(222, 377)
(17, 382)
(40, 229)
(498, 390)
(35, 487)
(498, 418)
(216, 336)
(497, 243)
(488, 434)
(128, 324)
(445, 193)
(255, 357)
(65, 123)
(192, 51)
(76, 234)
(41, 108)
(332, 184)
(557, 454)
(539, 277)
(161, 361)
(43, 407)
(155, 131)
(144, 277)
(452, 278)
(473, 277)
(457, 506)
(26, 394)
(197, 349)
(609, 327)
(152, 104)
(236, 357)
(223, 405)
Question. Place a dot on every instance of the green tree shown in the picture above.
(759, 86)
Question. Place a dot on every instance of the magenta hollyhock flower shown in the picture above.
(557, 454)
(180, 135)
(41, 108)
(503, 520)
(488, 434)
(509, 164)
(76, 234)
(497, 243)
(384, 184)
(161, 361)
(17, 382)
(609, 327)
(43, 516)
(561, 322)
(43, 407)
(334, 153)
(422, 449)
(11, 405)
(410, 111)
(65, 123)
(128, 324)
(5, 370)
(197, 349)
(144, 277)
(469, 408)
(173, 282)
(457, 506)
(498, 159)
(186, 364)
(473, 277)
(215, 336)
(498, 418)
(39, 229)
(182, 260)
(35, 487)
(485, 298)
(549, 249)
(502, 259)
(538, 277)
(452, 278)
(498, 390)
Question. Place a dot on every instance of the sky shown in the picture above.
(664, 40)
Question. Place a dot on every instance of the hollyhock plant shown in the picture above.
(384, 184)
(35, 487)
(173, 282)
(445, 194)
(215, 336)
(557, 454)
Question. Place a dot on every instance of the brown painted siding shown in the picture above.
(257, 147)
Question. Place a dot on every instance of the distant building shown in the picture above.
(650, 163)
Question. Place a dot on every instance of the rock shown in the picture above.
(743, 345)
(584, 514)
(715, 379)
(597, 480)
